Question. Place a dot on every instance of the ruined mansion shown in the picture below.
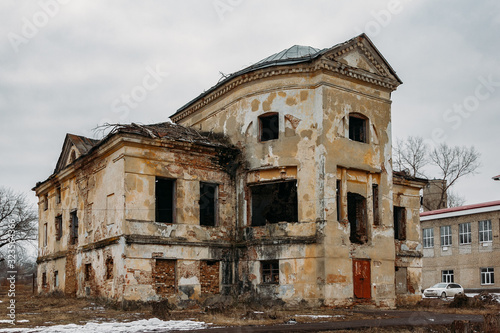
(275, 184)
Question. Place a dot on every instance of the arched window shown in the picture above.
(358, 127)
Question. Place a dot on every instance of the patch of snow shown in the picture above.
(5, 321)
(315, 316)
(22, 321)
(149, 325)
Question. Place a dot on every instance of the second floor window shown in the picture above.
(208, 204)
(59, 227)
(464, 233)
(485, 233)
(399, 223)
(428, 237)
(165, 200)
(358, 128)
(446, 236)
(269, 126)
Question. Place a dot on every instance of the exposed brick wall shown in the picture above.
(209, 276)
(70, 285)
(164, 276)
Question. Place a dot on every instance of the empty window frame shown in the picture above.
(56, 279)
(358, 128)
(447, 276)
(109, 268)
(275, 202)
(445, 232)
(165, 200)
(58, 195)
(270, 271)
(44, 280)
(208, 204)
(464, 233)
(339, 205)
(356, 214)
(88, 272)
(269, 126)
(428, 238)
(399, 223)
(59, 227)
(45, 234)
(487, 275)
(485, 233)
(45, 202)
(74, 228)
(375, 197)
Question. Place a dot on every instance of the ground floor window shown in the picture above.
(56, 279)
(270, 271)
(487, 275)
(44, 280)
(447, 276)
(209, 276)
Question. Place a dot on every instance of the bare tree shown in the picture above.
(453, 163)
(17, 218)
(411, 155)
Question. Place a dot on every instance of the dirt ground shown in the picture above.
(32, 311)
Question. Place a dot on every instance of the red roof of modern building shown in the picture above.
(461, 208)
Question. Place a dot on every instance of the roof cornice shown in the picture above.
(321, 64)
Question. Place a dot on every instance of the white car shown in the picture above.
(444, 290)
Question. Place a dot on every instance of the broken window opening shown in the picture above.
(165, 200)
(109, 268)
(44, 280)
(358, 128)
(376, 215)
(209, 276)
(59, 228)
(356, 214)
(164, 276)
(269, 126)
(208, 204)
(45, 232)
(339, 215)
(275, 202)
(88, 272)
(58, 195)
(45, 202)
(399, 223)
(270, 272)
(74, 227)
(56, 279)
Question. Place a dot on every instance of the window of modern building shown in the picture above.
(487, 275)
(59, 227)
(447, 276)
(269, 126)
(208, 204)
(464, 233)
(165, 200)
(428, 238)
(356, 215)
(485, 232)
(358, 128)
(445, 235)
(270, 271)
(275, 202)
(399, 223)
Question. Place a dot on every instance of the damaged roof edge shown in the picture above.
(165, 130)
(282, 62)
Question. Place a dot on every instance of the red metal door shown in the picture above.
(362, 278)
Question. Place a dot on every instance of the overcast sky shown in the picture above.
(67, 66)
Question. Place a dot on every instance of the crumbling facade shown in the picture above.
(291, 197)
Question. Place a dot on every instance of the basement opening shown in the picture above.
(275, 202)
(165, 200)
(356, 214)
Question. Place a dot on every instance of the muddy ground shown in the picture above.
(33, 311)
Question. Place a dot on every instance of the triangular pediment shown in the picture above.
(74, 147)
(360, 53)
